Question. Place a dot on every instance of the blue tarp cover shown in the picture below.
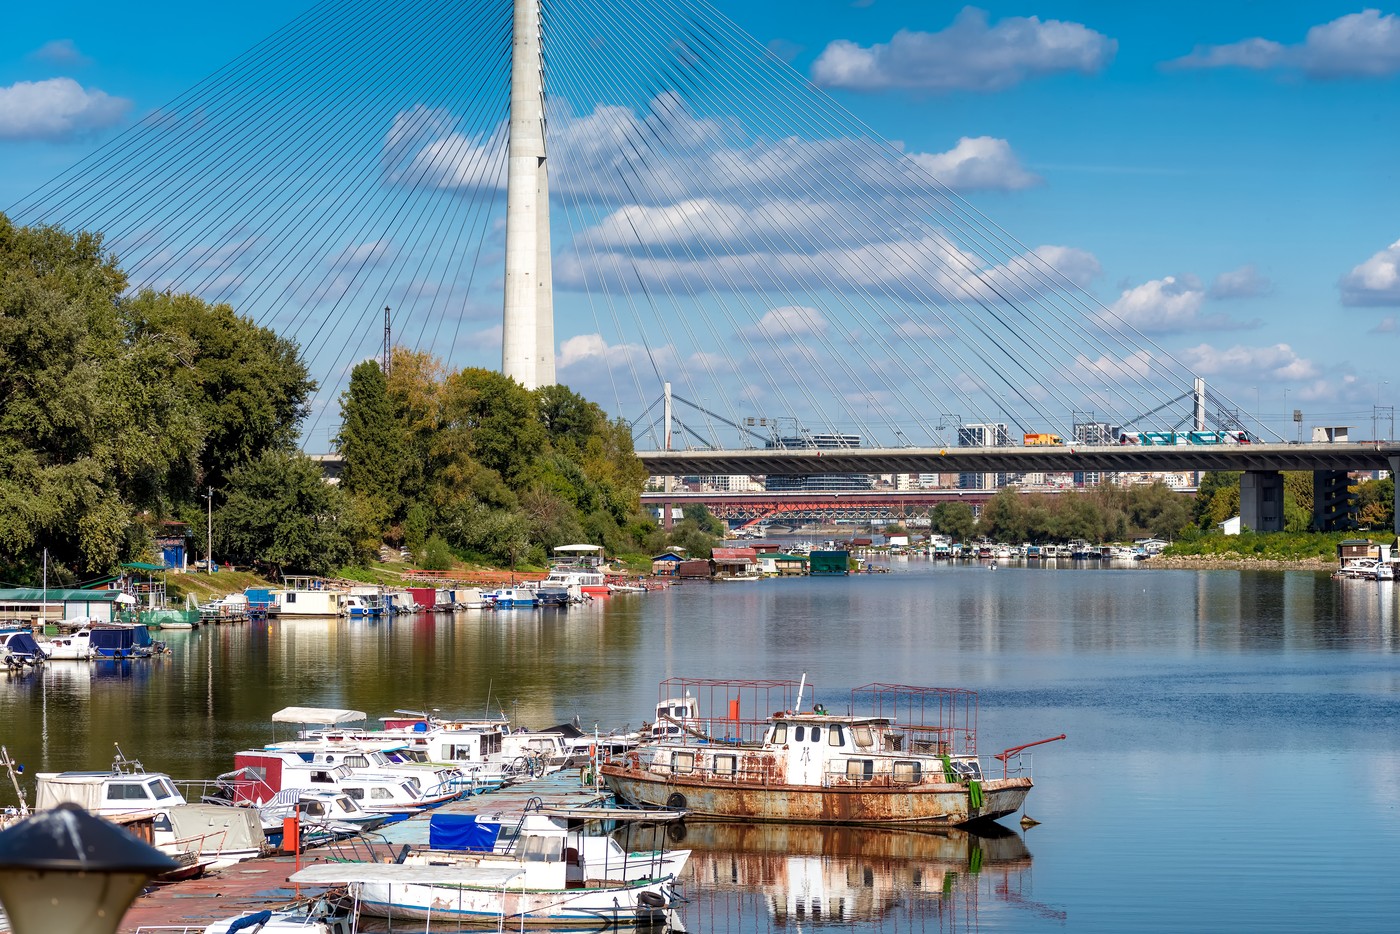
(462, 832)
(113, 641)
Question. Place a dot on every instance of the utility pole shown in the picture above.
(209, 542)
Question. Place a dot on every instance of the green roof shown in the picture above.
(53, 595)
(143, 566)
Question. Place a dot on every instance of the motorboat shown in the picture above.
(810, 766)
(548, 874)
(317, 918)
(19, 649)
(70, 647)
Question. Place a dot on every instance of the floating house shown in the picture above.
(35, 604)
(830, 563)
(667, 563)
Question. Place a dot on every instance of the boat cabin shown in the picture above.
(107, 793)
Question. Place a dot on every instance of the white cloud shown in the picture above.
(1135, 366)
(1278, 362)
(977, 162)
(1376, 281)
(365, 255)
(1245, 282)
(1386, 325)
(1357, 45)
(1169, 305)
(56, 109)
(60, 52)
(968, 55)
(791, 322)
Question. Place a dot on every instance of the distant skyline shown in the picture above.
(1222, 175)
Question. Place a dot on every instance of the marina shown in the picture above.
(1257, 665)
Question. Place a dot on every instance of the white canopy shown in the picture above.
(322, 716)
(340, 873)
(579, 548)
(125, 598)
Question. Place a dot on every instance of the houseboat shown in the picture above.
(910, 758)
(306, 596)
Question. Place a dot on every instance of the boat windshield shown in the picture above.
(161, 789)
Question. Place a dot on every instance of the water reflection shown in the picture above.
(848, 876)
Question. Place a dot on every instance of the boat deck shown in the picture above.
(262, 883)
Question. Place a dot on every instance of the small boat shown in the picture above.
(809, 766)
(19, 649)
(550, 873)
(73, 647)
(508, 598)
(318, 918)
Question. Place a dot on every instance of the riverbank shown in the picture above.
(1238, 563)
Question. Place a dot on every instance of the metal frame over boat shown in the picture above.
(909, 756)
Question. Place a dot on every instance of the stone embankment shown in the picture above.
(1240, 562)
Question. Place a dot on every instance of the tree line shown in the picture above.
(120, 411)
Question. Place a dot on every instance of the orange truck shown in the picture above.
(1038, 440)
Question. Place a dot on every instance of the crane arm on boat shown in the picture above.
(1008, 753)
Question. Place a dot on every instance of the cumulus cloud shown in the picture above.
(977, 162)
(970, 55)
(1376, 281)
(1277, 362)
(1357, 45)
(1170, 305)
(56, 109)
(60, 52)
(1245, 282)
(362, 255)
(791, 322)
(1135, 366)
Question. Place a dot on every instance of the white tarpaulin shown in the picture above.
(321, 716)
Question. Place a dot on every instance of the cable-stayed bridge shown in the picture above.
(653, 197)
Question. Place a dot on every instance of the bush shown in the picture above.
(437, 554)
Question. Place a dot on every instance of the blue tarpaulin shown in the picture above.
(462, 832)
(113, 643)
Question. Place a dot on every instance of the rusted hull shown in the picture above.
(946, 804)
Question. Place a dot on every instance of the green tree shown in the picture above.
(1375, 503)
(1217, 498)
(954, 520)
(1003, 517)
(282, 513)
(371, 439)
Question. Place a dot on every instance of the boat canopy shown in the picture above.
(342, 873)
(323, 716)
(578, 549)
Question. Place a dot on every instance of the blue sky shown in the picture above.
(1225, 173)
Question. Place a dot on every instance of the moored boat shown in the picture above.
(911, 758)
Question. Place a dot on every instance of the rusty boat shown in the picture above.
(898, 754)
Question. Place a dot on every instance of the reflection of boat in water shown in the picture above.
(845, 875)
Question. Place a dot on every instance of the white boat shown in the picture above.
(73, 647)
(320, 918)
(519, 597)
(549, 874)
(579, 568)
(306, 596)
(19, 649)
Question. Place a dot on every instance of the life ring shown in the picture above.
(676, 801)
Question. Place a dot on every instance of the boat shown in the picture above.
(208, 834)
(318, 918)
(305, 596)
(579, 569)
(520, 597)
(71, 647)
(19, 649)
(552, 872)
(1365, 569)
(910, 757)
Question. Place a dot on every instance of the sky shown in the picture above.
(1223, 175)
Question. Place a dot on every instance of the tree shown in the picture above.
(954, 520)
(1375, 503)
(1217, 498)
(281, 512)
(371, 438)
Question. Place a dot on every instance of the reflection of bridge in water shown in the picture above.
(851, 876)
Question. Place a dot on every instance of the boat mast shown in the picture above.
(801, 686)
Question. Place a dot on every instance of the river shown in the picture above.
(1232, 761)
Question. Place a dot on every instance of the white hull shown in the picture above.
(636, 904)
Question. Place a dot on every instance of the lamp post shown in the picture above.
(65, 870)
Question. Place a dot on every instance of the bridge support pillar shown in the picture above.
(1332, 507)
(1261, 500)
(1394, 499)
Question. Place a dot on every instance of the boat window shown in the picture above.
(357, 762)
(816, 734)
(127, 792)
(678, 711)
(459, 753)
(799, 734)
(724, 765)
(683, 762)
(539, 849)
(160, 790)
(410, 787)
(907, 771)
(834, 737)
(346, 805)
(314, 808)
(323, 777)
(860, 770)
(380, 794)
(309, 757)
(779, 734)
(256, 772)
(291, 598)
(863, 736)
(357, 793)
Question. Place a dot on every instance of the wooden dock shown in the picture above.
(262, 883)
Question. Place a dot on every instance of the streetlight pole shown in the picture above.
(209, 542)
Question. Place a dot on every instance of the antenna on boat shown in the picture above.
(14, 769)
(801, 686)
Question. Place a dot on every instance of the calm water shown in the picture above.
(1233, 760)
